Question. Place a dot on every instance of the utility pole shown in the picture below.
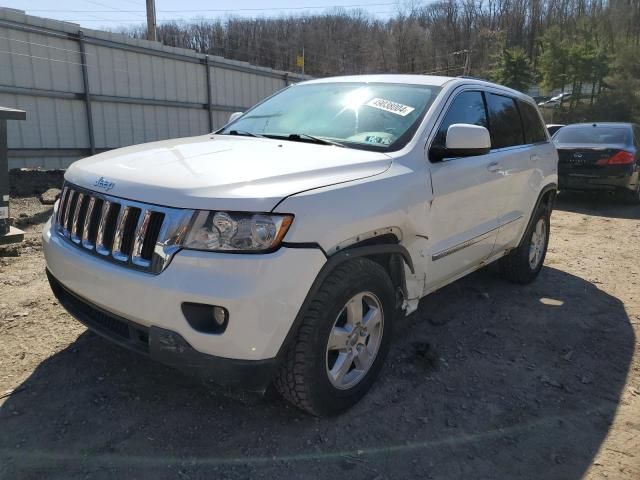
(151, 21)
(467, 63)
(466, 68)
(300, 60)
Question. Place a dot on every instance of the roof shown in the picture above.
(387, 78)
(431, 80)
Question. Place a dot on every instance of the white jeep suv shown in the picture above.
(282, 248)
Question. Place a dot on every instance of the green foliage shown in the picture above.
(573, 60)
(513, 69)
(554, 60)
(589, 48)
(620, 99)
(604, 86)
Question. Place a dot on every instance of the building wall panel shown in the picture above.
(133, 87)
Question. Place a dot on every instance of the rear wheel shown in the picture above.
(342, 341)
(632, 197)
(523, 264)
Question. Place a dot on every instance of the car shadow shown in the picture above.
(487, 380)
(597, 204)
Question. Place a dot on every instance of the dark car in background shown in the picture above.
(600, 156)
(552, 128)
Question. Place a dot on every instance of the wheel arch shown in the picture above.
(546, 199)
(384, 250)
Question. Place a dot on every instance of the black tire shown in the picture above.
(631, 197)
(516, 266)
(303, 379)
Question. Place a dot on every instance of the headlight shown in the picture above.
(237, 232)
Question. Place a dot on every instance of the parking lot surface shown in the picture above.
(488, 380)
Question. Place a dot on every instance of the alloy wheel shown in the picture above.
(354, 340)
(538, 243)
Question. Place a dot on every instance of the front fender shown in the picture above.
(337, 216)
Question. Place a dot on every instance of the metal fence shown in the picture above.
(87, 91)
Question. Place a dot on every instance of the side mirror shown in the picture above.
(234, 116)
(464, 140)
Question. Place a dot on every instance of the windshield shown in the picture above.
(380, 116)
(593, 135)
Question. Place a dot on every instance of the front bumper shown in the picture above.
(262, 293)
(166, 346)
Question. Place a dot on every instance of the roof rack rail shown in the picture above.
(469, 77)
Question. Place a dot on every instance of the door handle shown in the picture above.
(494, 167)
(535, 158)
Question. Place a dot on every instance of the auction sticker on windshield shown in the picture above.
(389, 106)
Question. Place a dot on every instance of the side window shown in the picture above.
(506, 127)
(467, 107)
(534, 130)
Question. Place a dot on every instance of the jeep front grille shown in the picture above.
(132, 234)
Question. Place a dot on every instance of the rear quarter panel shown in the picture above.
(544, 173)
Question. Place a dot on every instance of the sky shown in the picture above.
(98, 14)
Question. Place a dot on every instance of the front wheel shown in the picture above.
(343, 340)
(523, 264)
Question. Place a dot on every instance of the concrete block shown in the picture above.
(14, 236)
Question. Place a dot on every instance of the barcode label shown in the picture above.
(391, 107)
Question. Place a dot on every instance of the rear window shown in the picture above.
(594, 135)
(534, 130)
(504, 119)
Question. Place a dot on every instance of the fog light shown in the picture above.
(219, 315)
(206, 318)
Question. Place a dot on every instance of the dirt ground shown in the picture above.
(487, 380)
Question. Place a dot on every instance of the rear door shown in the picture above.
(464, 211)
(517, 132)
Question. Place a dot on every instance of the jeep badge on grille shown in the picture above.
(104, 184)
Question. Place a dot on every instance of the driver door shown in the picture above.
(463, 216)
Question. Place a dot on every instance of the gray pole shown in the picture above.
(87, 93)
(151, 21)
(7, 234)
(4, 179)
(209, 93)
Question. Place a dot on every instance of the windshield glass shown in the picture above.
(593, 135)
(380, 116)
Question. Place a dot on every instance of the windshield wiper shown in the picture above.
(305, 137)
(296, 137)
(318, 140)
(244, 133)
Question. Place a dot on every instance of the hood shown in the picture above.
(222, 172)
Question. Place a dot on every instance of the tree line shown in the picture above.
(588, 47)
